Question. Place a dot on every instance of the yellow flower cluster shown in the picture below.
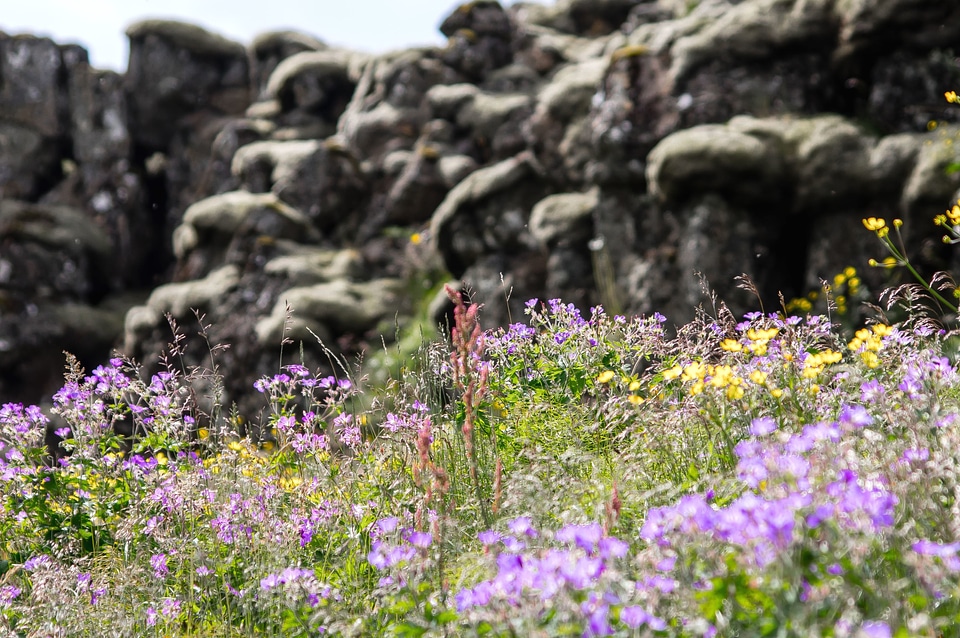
(757, 345)
(879, 225)
(632, 385)
(815, 363)
(869, 341)
(952, 97)
(952, 216)
(702, 376)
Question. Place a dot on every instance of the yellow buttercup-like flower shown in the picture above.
(952, 97)
(874, 223)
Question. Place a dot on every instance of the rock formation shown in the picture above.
(602, 152)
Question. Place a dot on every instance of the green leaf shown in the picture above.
(408, 629)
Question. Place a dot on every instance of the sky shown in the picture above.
(99, 25)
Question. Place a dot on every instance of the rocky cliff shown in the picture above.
(602, 151)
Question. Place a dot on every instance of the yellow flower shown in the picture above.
(266, 446)
(203, 433)
(695, 370)
(416, 238)
(932, 125)
(952, 97)
(850, 271)
(870, 359)
(953, 214)
(605, 376)
(634, 386)
(882, 329)
(762, 335)
(672, 373)
(634, 399)
(874, 223)
(734, 392)
(758, 376)
(776, 393)
(839, 280)
(731, 345)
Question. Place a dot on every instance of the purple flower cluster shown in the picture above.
(790, 494)
(411, 421)
(540, 577)
(385, 554)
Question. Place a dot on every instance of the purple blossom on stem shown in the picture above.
(762, 426)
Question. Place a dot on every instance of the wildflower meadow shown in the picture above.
(575, 474)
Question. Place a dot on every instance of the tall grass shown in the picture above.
(567, 475)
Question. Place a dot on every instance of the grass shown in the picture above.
(566, 476)
(570, 475)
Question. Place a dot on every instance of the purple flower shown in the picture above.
(35, 562)
(170, 607)
(915, 455)
(96, 594)
(871, 391)
(931, 548)
(159, 564)
(386, 525)
(635, 617)
(522, 526)
(820, 514)
(875, 629)
(489, 537)
(7, 595)
(911, 384)
(658, 582)
(585, 537)
(855, 416)
(762, 426)
(598, 616)
(478, 596)
(421, 540)
(610, 547)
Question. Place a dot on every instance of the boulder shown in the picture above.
(715, 158)
(53, 252)
(486, 212)
(564, 219)
(177, 70)
(270, 49)
(322, 179)
(334, 307)
(32, 94)
(214, 228)
(300, 265)
(479, 39)
(312, 86)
